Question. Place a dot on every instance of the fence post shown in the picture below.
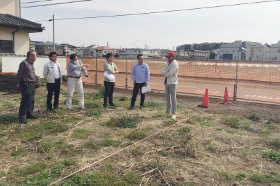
(235, 85)
(96, 71)
(126, 73)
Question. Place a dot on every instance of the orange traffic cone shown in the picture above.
(205, 103)
(226, 99)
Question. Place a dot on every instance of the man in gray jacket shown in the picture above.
(52, 74)
(170, 71)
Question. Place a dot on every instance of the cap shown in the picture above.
(170, 54)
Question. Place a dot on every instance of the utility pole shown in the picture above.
(53, 33)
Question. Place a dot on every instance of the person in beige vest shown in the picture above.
(110, 69)
(170, 72)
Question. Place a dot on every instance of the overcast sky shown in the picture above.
(258, 22)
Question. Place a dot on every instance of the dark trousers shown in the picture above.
(53, 88)
(137, 87)
(109, 90)
(27, 99)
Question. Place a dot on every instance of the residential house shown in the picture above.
(68, 49)
(147, 53)
(181, 54)
(257, 51)
(232, 51)
(274, 52)
(14, 31)
(46, 47)
(101, 51)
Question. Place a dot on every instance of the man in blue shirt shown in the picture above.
(140, 75)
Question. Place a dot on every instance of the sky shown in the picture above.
(257, 22)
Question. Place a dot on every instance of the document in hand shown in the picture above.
(109, 76)
(146, 89)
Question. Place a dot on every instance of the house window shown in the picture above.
(6, 46)
(278, 50)
(48, 48)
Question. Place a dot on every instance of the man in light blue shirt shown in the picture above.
(140, 75)
(75, 67)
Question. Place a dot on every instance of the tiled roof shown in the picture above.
(10, 21)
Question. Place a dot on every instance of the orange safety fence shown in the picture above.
(256, 80)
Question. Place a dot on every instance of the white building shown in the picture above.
(257, 52)
(147, 53)
(101, 51)
(68, 49)
(14, 31)
(274, 52)
(232, 51)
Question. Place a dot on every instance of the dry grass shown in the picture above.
(221, 146)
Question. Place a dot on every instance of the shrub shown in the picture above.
(254, 117)
(232, 122)
(124, 122)
(272, 156)
(136, 135)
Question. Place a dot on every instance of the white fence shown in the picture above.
(10, 63)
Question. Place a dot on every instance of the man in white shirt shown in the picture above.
(52, 74)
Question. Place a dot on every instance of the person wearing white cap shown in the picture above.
(170, 72)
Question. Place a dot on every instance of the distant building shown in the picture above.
(274, 52)
(257, 51)
(68, 49)
(181, 54)
(164, 52)
(147, 53)
(46, 47)
(232, 51)
(198, 54)
(101, 51)
(14, 31)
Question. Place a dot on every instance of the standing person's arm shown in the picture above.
(45, 71)
(133, 75)
(83, 68)
(147, 75)
(164, 70)
(107, 68)
(116, 68)
(20, 72)
(172, 70)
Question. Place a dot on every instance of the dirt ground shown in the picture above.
(201, 148)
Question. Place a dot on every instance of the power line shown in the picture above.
(77, 1)
(167, 11)
(36, 1)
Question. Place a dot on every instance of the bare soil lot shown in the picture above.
(233, 144)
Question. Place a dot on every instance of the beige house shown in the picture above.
(14, 31)
(44, 48)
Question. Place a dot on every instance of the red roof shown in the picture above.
(103, 48)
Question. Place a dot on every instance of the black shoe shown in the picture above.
(31, 117)
(104, 106)
(22, 121)
(49, 109)
(130, 108)
(113, 105)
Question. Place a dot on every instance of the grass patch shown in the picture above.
(164, 153)
(272, 156)
(69, 162)
(232, 122)
(31, 169)
(225, 176)
(248, 127)
(136, 152)
(109, 142)
(154, 105)
(264, 178)
(231, 131)
(100, 93)
(123, 98)
(275, 143)
(35, 132)
(240, 176)
(207, 123)
(8, 119)
(124, 122)
(19, 152)
(92, 113)
(136, 135)
(90, 105)
(254, 117)
(212, 148)
(82, 133)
